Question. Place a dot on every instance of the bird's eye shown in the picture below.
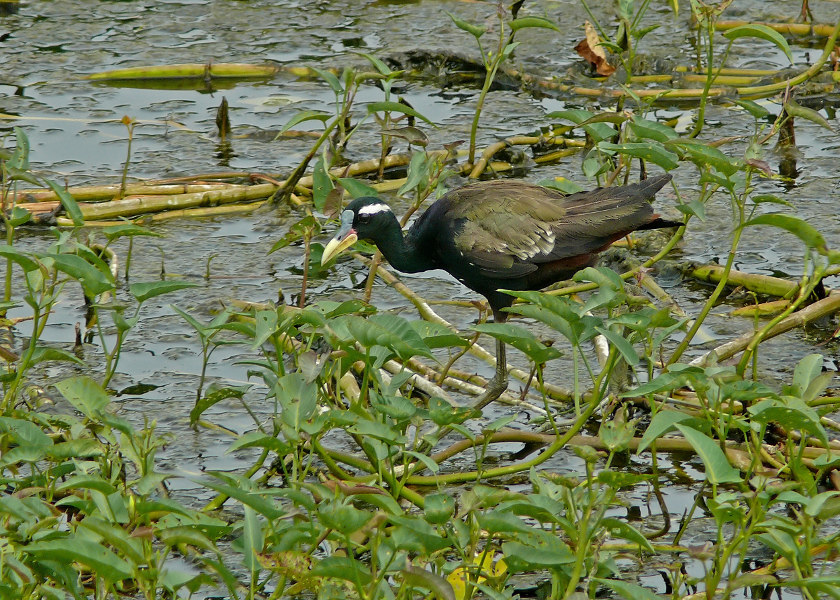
(363, 218)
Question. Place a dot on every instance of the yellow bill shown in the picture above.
(344, 238)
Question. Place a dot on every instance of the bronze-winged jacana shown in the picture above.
(503, 234)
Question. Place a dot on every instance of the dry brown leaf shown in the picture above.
(590, 49)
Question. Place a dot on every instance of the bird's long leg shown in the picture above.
(497, 385)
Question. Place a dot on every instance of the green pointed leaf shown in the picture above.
(93, 280)
(440, 587)
(624, 530)
(321, 184)
(396, 107)
(213, 396)
(149, 289)
(792, 413)
(704, 155)
(377, 64)
(341, 567)
(755, 109)
(389, 331)
(794, 109)
(302, 117)
(85, 395)
(523, 22)
(652, 130)
(266, 506)
(20, 157)
(521, 339)
(25, 433)
(330, 78)
(356, 188)
(805, 232)
(718, 469)
(762, 32)
(436, 335)
(95, 556)
(648, 151)
(68, 202)
(113, 232)
(473, 30)
(44, 354)
(625, 348)
(663, 422)
(628, 590)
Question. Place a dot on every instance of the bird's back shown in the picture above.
(510, 234)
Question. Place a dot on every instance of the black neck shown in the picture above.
(402, 251)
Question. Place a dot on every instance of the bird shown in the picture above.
(503, 234)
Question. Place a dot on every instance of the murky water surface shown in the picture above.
(76, 136)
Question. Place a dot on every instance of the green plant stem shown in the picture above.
(600, 388)
(804, 293)
(490, 75)
(707, 307)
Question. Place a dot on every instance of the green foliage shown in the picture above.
(346, 496)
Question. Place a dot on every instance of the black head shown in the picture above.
(364, 218)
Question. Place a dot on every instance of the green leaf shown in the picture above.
(321, 184)
(257, 439)
(807, 369)
(387, 106)
(537, 550)
(652, 130)
(625, 348)
(439, 508)
(303, 116)
(85, 395)
(628, 590)
(19, 216)
(718, 469)
(762, 32)
(436, 335)
(92, 280)
(792, 413)
(213, 396)
(267, 507)
(356, 188)
(44, 354)
(95, 556)
(795, 109)
(252, 540)
(389, 331)
(330, 78)
(523, 22)
(704, 155)
(663, 422)
(769, 198)
(624, 530)
(68, 202)
(344, 518)
(149, 289)
(113, 232)
(755, 109)
(420, 577)
(20, 157)
(25, 433)
(341, 567)
(521, 339)
(805, 232)
(175, 536)
(377, 64)
(474, 30)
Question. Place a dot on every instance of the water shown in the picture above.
(77, 137)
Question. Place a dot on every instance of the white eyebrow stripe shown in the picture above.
(371, 209)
